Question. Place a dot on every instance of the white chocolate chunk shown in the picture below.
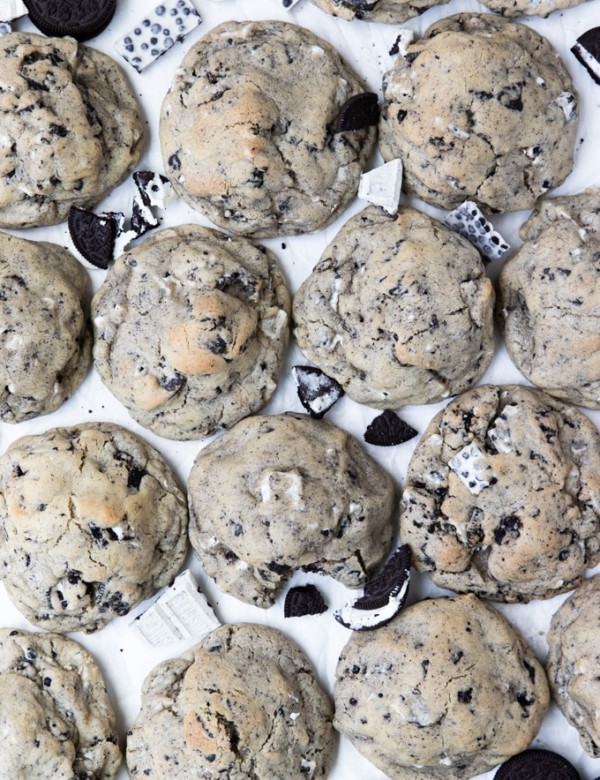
(382, 186)
(12, 9)
(469, 221)
(471, 467)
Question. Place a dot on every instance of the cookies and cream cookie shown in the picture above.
(502, 494)
(191, 328)
(390, 11)
(529, 7)
(480, 108)
(91, 523)
(248, 129)
(242, 703)
(287, 492)
(445, 691)
(398, 310)
(70, 128)
(549, 301)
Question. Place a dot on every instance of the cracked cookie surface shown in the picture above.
(287, 492)
(191, 329)
(388, 11)
(528, 7)
(46, 340)
(480, 108)
(70, 128)
(91, 523)
(247, 130)
(55, 717)
(398, 310)
(549, 300)
(502, 495)
(244, 703)
(447, 690)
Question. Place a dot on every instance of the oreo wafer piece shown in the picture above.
(94, 235)
(358, 112)
(537, 765)
(304, 600)
(388, 430)
(361, 5)
(587, 51)
(81, 19)
(317, 391)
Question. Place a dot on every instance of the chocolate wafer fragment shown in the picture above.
(304, 600)
(388, 430)
(587, 51)
(537, 765)
(94, 235)
(317, 391)
(358, 112)
(81, 19)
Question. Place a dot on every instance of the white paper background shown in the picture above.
(123, 657)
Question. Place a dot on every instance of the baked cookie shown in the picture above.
(574, 662)
(549, 300)
(390, 11)
(481, 109)
(70, 127)
(398, 310)
(502, 495)
(55, 717)
(191, 329)
(248, 132)
(244, 703)
(445, 691)
(91, 522)
(287, 492)
(529, 7)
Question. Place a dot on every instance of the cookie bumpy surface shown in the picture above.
(191, 328)
(389, 11)
(247, 130)
(91, 523)
(70, 128)
(502, 495)
(287, 492)
(55, 717)
(398, 310)
(480, 108)
(445, 691)
(243, 703)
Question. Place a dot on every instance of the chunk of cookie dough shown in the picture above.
(55, 717)
(399, 310)
(244, 703)
(548, 299)
(445, 691)
(502, 495)
(191, 329)
(70, 128)
(481, 109)
(91, 523)
(45, 336)
(287, 492)
(389, 11)
(247, 130)
(574, 662)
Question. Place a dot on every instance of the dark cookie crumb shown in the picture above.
(388, 430)
(358, 112)
(304, 600)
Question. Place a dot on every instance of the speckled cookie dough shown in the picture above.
(502, 495)
(481, 109)
(244, 703)
(55, 718)
(549, 301)
(445, 691)
(287, 492)
(45, 338)
(398, 310)
(247, 130)
(91, 523)
(388, 11)
(529, 7)
(70, 128)
(191, 328)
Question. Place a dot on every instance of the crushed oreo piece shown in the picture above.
(11, 10)
(388, 430)
(472, 466)
(537, 764)
(80, 19)
(587, 51)
(154, 188)
(382, 186)
(157, 32)
(404, 38)
(568, 103)
(304, 600)
(317, 391)
(383, 596)
(358, 112)
(468, 220)
(361, 5)
(288, 4)
(93, 235)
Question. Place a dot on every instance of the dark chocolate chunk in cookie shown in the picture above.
(358, 112)
(81, 19)
(361, 5)
(587, 51)
(304, 600)
(537, 765)
(387, 430)
(93, 235)
(317, 391)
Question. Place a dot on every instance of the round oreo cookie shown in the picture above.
(537, 765)
(81, 19)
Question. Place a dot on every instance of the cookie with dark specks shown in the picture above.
(389, 11)
(502, 495)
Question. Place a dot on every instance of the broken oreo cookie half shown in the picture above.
(537, 764)
(469, 221)
(304, 600)
(383, 596)
(317, 391)
(358, 112)
(388, 430)
(81, 19)
(587, 51)
(94, 235)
